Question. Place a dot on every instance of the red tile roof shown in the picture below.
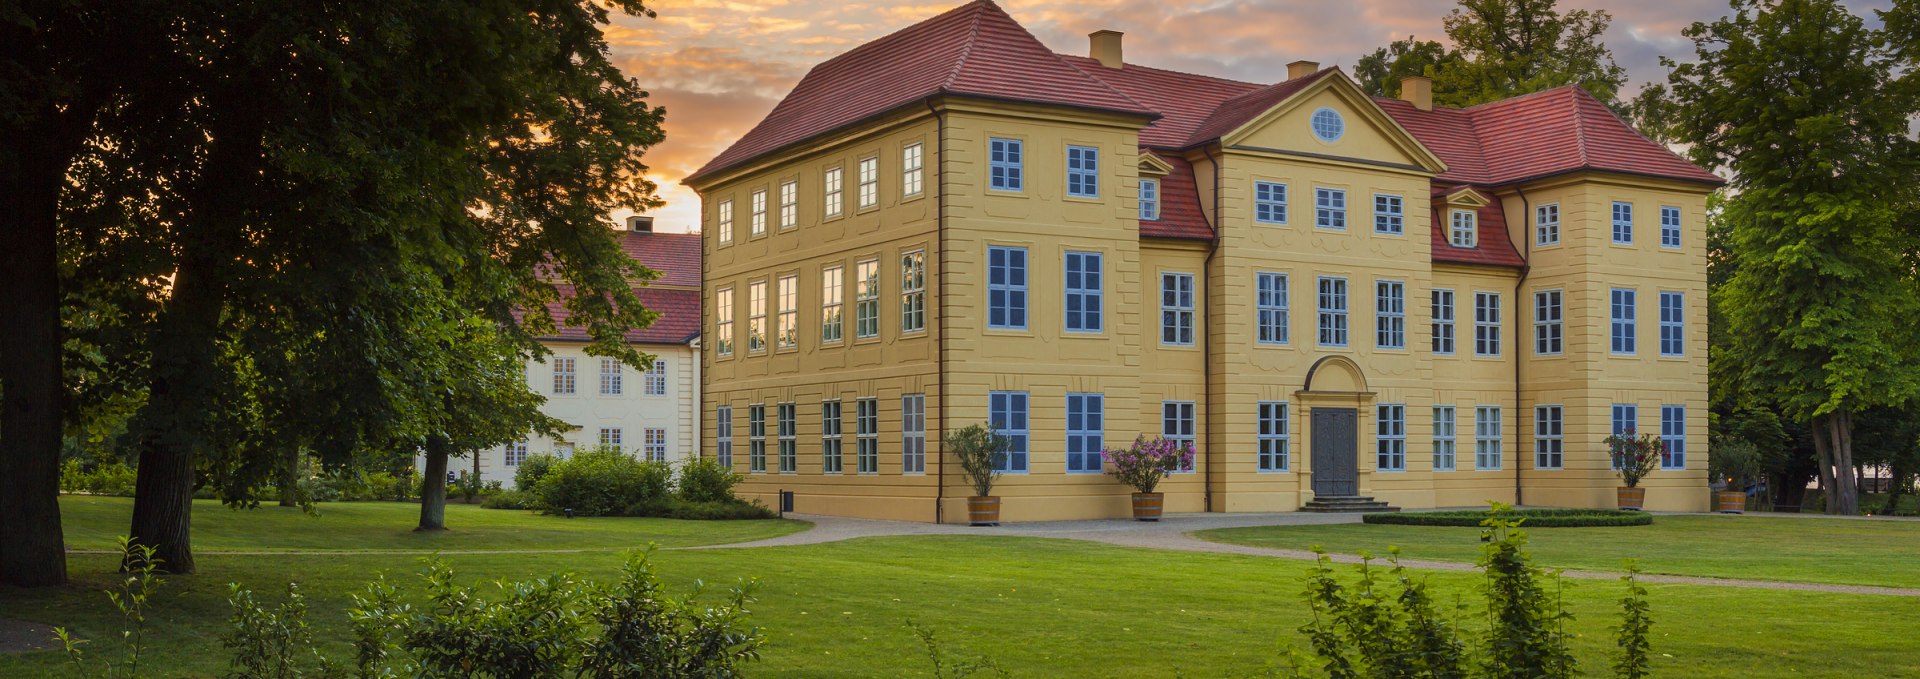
(1492, 246)
(678, 322)
(675, 255)
(1184, 100)
(972, 50)
(1180, 213)
(1233, 113)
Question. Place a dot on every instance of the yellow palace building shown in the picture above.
(1334, 296)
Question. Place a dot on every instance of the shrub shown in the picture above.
(605, 482)
(704, 480)
(108, 478)
(528, 474)
(979, 447)
(1143, 464)
(1532, 518)
(511, 499)
(1634, 457)
(140, 581)
(729, 510)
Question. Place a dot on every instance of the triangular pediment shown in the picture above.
(1153, 164)
(1466, 197)
(1368, 134)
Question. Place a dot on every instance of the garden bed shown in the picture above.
(1533, 518)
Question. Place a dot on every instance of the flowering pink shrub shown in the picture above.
(1634, 457)
(1144, 463)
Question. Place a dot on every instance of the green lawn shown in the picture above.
(1038, 607)
(1839, 551)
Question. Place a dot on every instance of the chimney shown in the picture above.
(640, 224)
(1301, 69)
(1417, 90)
(1104, 47)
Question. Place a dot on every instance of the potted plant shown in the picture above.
(1736, 462)
(1634, 457)
(978, 446)
(1142, 465)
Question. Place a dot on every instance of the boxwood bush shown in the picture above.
(604, 482)
(1531, 518)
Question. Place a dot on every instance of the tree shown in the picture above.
(1796, 99)
(484, 402)
(1379, 73)
(1501, 49)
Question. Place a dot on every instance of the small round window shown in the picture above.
(1328, 125)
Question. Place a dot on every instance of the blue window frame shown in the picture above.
(1389, 214)
(1333, 312)
(1086, 431)
(1274, 436)
(1083, 171)
(1623, 313)
(1330, 208)
(1673, 433)
(1176, 309)
(1007, 288)
(1176, 424)
(1673, 323)
(1007, 411)
(1149, 199)
(1005, 158)
(1083, 302)
(1669, 227)
(1271, 305)
(1390, 314)
(1390, 441)
(1270, 202)
(1625, 421)
(1623, 223)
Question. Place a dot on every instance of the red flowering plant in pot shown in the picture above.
(1634, 457)
(1143, 464)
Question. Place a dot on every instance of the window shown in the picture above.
(1149, 199)
(1390, 440)
(723, 436)
(1623, 320)
(1270, 304)
(913, 434)
(723, 321)
(869, 182)
(789, 204)
(1176, 309)
(1546, 224)
(913, 291)
(610, 437)
(758, 225)
(1329, 208)
(1443, 430)
(1333, 312)
(1390, 314)
(1466, 229)
(1669, 227)
(834, 184)
(1328, 125)
(756, 316)
(831, 293)
(1273, 436)
(1086, 432)
(1006, 288)
(1083, 171)
(1486, 324)
(1084, 294)
(563, 375)
(1626, 417)
(656, 378)
(757, 438)
(726, 222)
(866, 427)
(1007, 411)
(1389, 214)
(1548, 444)
(1486, 437)
(786, 325)
(1443, 322)
(830, 459)
(1673, 320)
(866, 299)
(1176, 423)
(656, 445)
(1623, 223)
(1004, 162)
(563, 450)
(1546, 323)
(1269, 203)
(515, 454)
(1673, 434)
(789, 446)
(911, 161)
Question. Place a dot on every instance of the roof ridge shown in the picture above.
(1522, 97)
(973, 36)
(1188, 74)
(1579, 126)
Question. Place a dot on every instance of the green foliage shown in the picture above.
(1634, 457)
(1737, 462)
(467, 484)
(704, 480)
(1501, 49)
(1527, 635)
(1532, 518)
(1636, 623)
(139, 582)
(946, 667)
(528, 474)
(107, 478)
(978, 447)
(270, 644)
(351, 486)
(511, 499)
(1379, 73)
(605, 482)
(730, 510)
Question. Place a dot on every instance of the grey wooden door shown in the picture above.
(1336, 461)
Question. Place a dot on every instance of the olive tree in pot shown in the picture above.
(1737, 462)
(979, 448)
(1634, 457)
(1142, 465)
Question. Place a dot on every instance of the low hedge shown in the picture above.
(1533, 518)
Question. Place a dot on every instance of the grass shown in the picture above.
(1038, 607)
(1835, 551)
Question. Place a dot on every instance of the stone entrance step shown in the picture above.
(1330, 504)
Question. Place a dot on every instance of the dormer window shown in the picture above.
(1465, 229)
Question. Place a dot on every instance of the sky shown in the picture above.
(718, 66)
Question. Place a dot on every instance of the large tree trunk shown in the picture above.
(32, 553)
(1822, 447)
(174, 420)
(433, 487)
(1846, 475)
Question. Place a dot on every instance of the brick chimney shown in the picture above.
(1104, 46)
(1301, 69)
(1417, 90)
(640, 224)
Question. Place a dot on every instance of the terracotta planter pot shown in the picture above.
(1147, 506)
(983, 511)
(1632, 499)
(1731, 502)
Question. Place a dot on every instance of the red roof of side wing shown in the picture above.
(675, 255)
(1180, 213)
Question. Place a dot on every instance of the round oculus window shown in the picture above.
(1328, 125)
